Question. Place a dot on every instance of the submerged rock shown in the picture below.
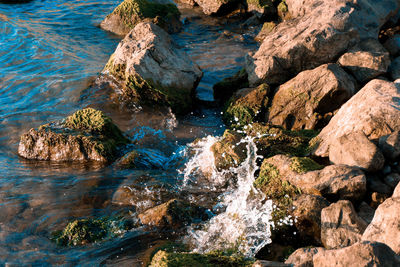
(325, 31)
(374, 110)
(88, 134)
(153, 71)
(298, 103)
(131, 12)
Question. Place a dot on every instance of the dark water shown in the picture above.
(50, 52)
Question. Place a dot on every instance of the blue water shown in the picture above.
(51, 51)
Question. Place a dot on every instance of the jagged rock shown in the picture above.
(393, 45)
(394, 69)
(308, 216)
(245, 105)
(366, 212)
(303, 257)
(153, 71)
(390, 145)
(212, 7)
(131, 12)
(355, 149)
(340, 225)
(333, 182)
(374, 110)
(321, 36)
(172, 214)
(298, 102)
(366, 60)
(88, 134)
(385, 226)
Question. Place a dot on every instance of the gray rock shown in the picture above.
(376, 185)
(297, 103)
(390, 145)
(355, 149)
(366, 60)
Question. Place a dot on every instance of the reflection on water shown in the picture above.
(51, 51)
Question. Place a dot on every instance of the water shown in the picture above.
(51, 51)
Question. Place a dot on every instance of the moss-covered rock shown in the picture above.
(264, 9)
(283, 11)
(224, 89)
(266, 29)
(246, 105)
(85, 231)
(302, 165)
(182, 259)
(131, 12)
(88, 134)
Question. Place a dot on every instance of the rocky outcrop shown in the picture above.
(340, 225)
(385, 226)
(88, 134)
(220, 7)
(321, 36)
(374, 110)
(153, 71)
(355, 149)
(302, 101)
(367, 60)
(131, 12)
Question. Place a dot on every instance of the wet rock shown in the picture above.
(171, 259)
(172, 214)
(212, 7)
(321, 36)
(366, 212)
(393, 45)
(245, 105)
(85, 231)
(261, 8)
(394, 69)
(298, 102)
(366, 60)
(262, 263)
(307, 213)
(333, 182)
(374, 110)
(224, 89)
(340, 225)
(355, 149)
(390, 145)
(385, 226)
(131, 12)
(88, 134)
(303, 257)
(153, 71)
(266, 29)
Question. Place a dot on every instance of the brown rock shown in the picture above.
(340, 225)
(303, 257)
(261, 263)
(390, 145)
(366, 212)
(212, 7)
(297, 103)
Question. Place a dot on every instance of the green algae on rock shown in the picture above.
(302, 165)
(131, 12)
(266, 29)
(183, 259)
(85, 231)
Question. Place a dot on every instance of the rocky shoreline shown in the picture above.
(319, 100)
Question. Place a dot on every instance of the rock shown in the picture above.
(376, 185)
(245, 105)
(366, 212)
(266, 29)
(88, 134)
(355, 149)
(394, 69)
(283, 11)
(374, 110)
(303, 257)
(366, 60)
(333, 182)
(191, 3)
(262, 263)
(172, 214)
(297, 103)
(212, 7)
(224, 89)
(300, 8)
(262, 8)
(320, 37)
(308, 216)
(153, 71)
(390, 145)
(393, 45)
(360, 254)
(172, 259)
(340, 225)
(385, 226)
(377, 199)
(131, 12)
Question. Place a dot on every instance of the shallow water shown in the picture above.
(50, 52)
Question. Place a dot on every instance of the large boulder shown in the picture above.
(87, 134)
(220, 7)
(131, 12)
(324, 33)
(340, 225)
(374, 110)
(366, 60)
(385, 226)
(297, 103)
(355, 149)
(262, 8)
(153, 71)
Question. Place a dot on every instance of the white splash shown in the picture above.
(245, 223)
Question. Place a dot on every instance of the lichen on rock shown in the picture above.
(302, 165)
